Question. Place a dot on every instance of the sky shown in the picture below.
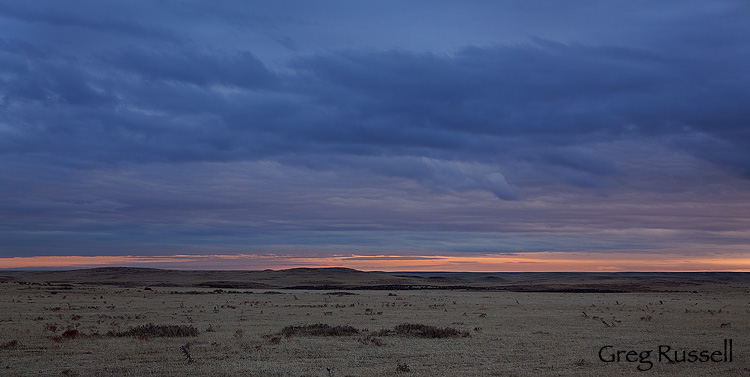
(380, 135)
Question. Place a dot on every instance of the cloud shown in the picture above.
(99, 19)
(440, 175)
(542, 102)
(241, 69)
(482, 104)
(278, 119)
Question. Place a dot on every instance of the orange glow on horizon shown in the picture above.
(516, 262)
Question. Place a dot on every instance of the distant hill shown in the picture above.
(350, 279)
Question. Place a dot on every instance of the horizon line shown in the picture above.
(66, 269)
(546, 261)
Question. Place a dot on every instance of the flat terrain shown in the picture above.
(341, 322)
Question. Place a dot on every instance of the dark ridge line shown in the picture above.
(398, 287)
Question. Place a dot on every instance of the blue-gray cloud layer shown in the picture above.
(165, 126)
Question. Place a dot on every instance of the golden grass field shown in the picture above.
(76, 323)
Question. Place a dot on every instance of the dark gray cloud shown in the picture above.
(127, 109)
(91, 16)
(237, 69)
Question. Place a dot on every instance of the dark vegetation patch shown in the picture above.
(190, 292)
(232, 285)
(569, 290)
(151, 330)
(394, 287)
(12, 344)
(215, 291)
(426, 331)
(415, 330)
(71, 334)
(319, 329)
(509, 288)
(319, 287)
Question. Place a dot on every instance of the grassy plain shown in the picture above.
(76, 323)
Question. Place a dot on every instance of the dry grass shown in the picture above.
(417, 333)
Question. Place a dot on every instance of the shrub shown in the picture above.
(72, 334)
(186, 351)
(13, 344)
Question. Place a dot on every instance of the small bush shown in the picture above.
(169, 331)
(403, 367)
(72, 334)
(13, 344)
(186, 351)
(582, 363)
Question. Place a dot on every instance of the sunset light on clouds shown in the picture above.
(387, 135)
(521, 262)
